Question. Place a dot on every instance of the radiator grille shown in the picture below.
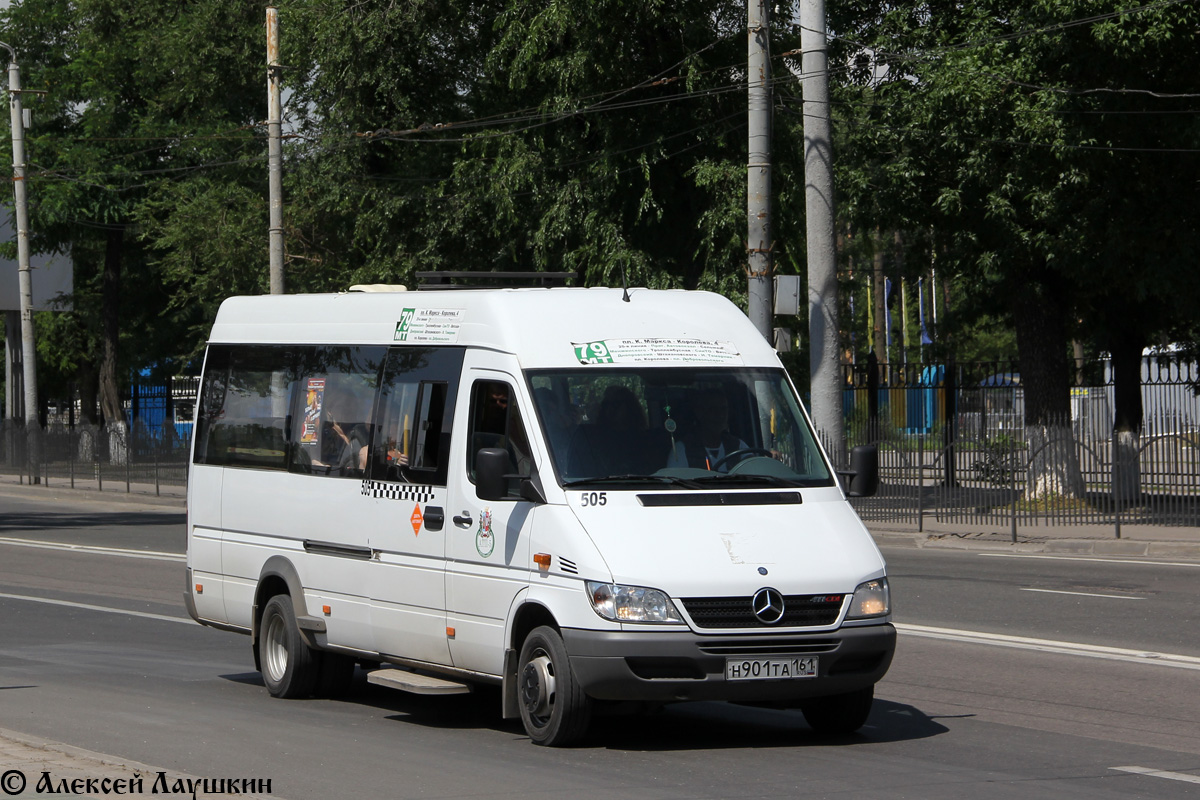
(799, 611)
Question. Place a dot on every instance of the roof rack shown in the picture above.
(467, 279)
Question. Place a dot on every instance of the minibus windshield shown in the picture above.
(703, 427)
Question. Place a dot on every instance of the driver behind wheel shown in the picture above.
(710, 441)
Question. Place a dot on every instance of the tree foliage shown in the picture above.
(148, 107)
(1042, 144)
(1035, 151)
(505, 134)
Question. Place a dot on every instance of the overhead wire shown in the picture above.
(1015, 142)
(542, 117)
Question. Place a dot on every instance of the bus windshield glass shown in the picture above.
(692, 427)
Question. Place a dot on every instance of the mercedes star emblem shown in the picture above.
(768, 606)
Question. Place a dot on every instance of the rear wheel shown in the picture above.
(841, 713)
(289, 666)
(554, 708)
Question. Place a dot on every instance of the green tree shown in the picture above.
(1017, 132)
(597, 137)
(149, 115)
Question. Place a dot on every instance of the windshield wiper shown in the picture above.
(668, 480)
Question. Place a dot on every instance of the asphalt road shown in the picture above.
(1003, 686)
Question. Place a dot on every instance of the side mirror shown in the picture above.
(862, 479)
(491, 465)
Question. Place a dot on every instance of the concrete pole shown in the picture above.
(25, 277)
(275, 150)
(761, 295)
(822, 254)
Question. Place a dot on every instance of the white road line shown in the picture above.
(1159, 773)
(1053, 646)
(89, 607)
(154, 555)
(1145, 563)
(1081, 594)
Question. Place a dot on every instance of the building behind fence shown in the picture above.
(954, 448)
(953, 445)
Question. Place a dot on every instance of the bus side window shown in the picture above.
(414, 416)
(244, 405)
(331, 413)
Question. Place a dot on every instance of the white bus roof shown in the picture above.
(557, 327)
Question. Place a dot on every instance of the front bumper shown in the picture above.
(669, 666)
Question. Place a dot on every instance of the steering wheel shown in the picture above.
(740, 455)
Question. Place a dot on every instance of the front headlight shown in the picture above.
(871, 599)
(631, 603)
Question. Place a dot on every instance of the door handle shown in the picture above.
(463, 520)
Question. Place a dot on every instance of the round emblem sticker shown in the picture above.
(485, 541)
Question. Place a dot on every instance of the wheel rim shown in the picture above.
(275, 652)
(537, 688)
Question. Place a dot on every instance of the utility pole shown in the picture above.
(826, 404)
(275, 150)
(759, 274)
(25, 277)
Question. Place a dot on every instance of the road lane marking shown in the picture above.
(1053, 646)
(90, 607)
(1192, 564)
(1081, 594)
(154, 555)
(1160, 773)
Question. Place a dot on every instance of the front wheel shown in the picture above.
(289, 666)
(841, 713)
(554, 708)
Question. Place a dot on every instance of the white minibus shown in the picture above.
(589, 498)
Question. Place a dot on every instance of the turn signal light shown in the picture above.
(199, 588)
(327, 610)
(542, 560)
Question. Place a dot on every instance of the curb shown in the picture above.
(1109, 548)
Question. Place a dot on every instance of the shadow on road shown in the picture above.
(691, 726)
(59, 520)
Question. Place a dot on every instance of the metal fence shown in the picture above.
(955, 448)
(117, 455)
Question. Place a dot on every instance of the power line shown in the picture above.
(1027, 32)
(1014, 142)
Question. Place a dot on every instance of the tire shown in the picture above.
(554, 708)
(841, 713)
(289, 666)
(336, 675)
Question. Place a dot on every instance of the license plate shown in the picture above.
(769, 669)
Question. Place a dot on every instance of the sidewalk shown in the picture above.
(1151, 541)
(28, 762)
(114, 492)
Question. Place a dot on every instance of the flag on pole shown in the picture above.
(921, 311)
(887, 309)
